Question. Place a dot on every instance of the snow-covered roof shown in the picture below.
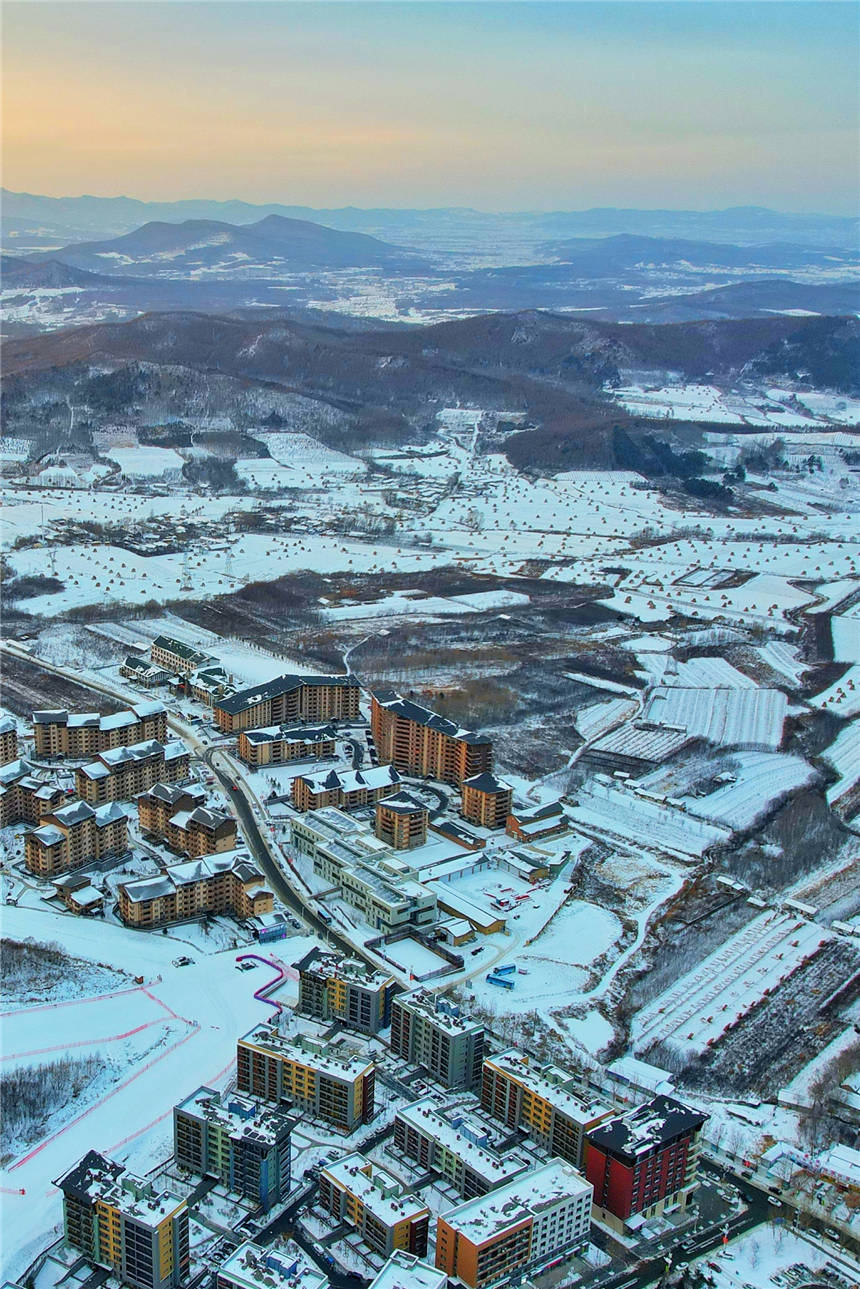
(96, 1177)
(639, 1131)
(345, 779)
(405, 1271)
(291, 734)
(445, 1015)
(550, 1083)
(328, 1058)
(250, 697)
(379, 1191)
(243, 1116)
(526, 1196)
(251, 1266)
(409, 711)
(464, 1138)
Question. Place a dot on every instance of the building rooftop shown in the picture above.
(465, 1137)
(283, 1267)
(445, 1015)
(402, 803)
(328, 964)
(340, 1060)
(486, 782)
(643, 741)
(409, 711)
(181, 650)
(96, 1177)
(250, 697)
(642, 1130)
(405, 1271)
(379, 1191)
(345, 779)
(524, 1197)
(244, 1116)
(189, 872)
(170, 793)
(116, 756)
(549, 1082)
(291, 734)
(7, 724)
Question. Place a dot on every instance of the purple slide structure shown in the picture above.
(262, 994)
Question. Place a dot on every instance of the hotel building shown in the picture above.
(325, 1080)
(418, 741)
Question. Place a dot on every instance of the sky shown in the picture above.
(530, 106)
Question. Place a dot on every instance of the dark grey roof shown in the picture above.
(486, 782)
(181, 650)
(405, 708)
(402, 803)
(79, 1179)
(250, 697)
(50, 717)
(646, 1128)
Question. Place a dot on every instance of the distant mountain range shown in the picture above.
(605, 256)
(273, 246)
(31, 221)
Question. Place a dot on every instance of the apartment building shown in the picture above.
(418, 741)
(231, 1137)
(178, 658)
(124, 772)
(348, 990)
(286, 1266)
(541, 1101)
(209, 684)
(8, 740)
(80, 734)
(344, 788)
(539, 1216)
(120, 1222)
(369, 875)
(210, 885)
(26, 795)
(644, 1162)
(75, 835)
(401, 821)
(432, 1032)
(407, 1271)
(359, 1192)
(281, 744)
(327, 1080)
(179, 816)
(288, 700)
(450, 1139)
(486, 800)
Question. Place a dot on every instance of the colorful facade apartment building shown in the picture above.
(120, 1222)
(434, 1033)
(253, 1266)
(231, 1137)
(179, 816)
(75, 835)
(197, 888)
(344, 788)
(420, 742)
(26, 795)
(450, 1139)
(349, 990)
(281, 744)
(326, 1080)
(539, 1100)
(289, 700)
(644, 1162)
(539, 1216)
(178, 658)
(357, 1191)
(8, 740)
(486, 800)
(80, 734)
(125, 772)
(401, 821)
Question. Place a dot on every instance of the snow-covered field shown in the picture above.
(175, 1032)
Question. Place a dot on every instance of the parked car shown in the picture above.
(184, 961)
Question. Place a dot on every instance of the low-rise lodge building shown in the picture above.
(196, 888)
(125, 772)
(418, 741)
(326, 1080)
(357, 1191)
(81, 734)
(289, 700)
(146, 674)
(486, 800)
(401, 821)
(281, 744)
(540, 821)
(178, 658)
(244, 1144)
(25, 795)
(344, 788)
(74, 836)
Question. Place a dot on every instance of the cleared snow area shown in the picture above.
(764, 1255)
(265, 475)
(759, 780)
(751, 718)
(706, 673)
(705, 1002)
(606, 808)
(308, 457)
(845, 632)
(416, 605)
(707, 403)
(192, 1018)
(844, 755)
(147, 462)
(597, 718)
(783, 658)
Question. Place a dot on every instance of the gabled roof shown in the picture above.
(409, 711)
